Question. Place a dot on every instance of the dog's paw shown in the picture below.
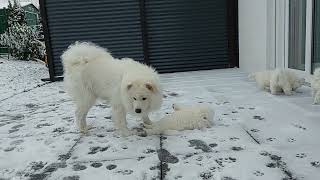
(147, 126)
(147, 121)
(85, 129)
(288, 93)
(126, 132)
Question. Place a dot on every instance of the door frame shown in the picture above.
(278, 36)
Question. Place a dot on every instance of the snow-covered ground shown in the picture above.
(256, 135)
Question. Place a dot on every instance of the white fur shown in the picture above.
(315, 86)
(183, 118)
(278, 80)
(90, 72)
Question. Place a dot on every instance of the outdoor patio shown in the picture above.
(256, 135)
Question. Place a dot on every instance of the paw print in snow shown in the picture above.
(291, 140)
(258, 173)
(254, 130)
(216, 169)
(258, 118)
(299, 126)
(315, 164)
(301, 155)
(222, 161)
(264, 153)
(271, 139)
(234, 138)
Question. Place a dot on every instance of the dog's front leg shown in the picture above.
(119, 120)
(316, 97)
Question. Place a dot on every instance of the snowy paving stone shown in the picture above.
(223, 166)
(33, 152)
(136, 157)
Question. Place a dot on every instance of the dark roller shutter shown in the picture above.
(187, 34)
(113, 24)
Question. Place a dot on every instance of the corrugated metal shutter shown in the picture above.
(187, 35)
(113, 24)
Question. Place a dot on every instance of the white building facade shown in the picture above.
(279, 34)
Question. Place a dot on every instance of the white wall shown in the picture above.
(253, 35)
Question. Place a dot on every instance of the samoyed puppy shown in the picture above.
(183, 118)
(315, 86)
(91, 73)
(277, 81)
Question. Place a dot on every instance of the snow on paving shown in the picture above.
(256, 135)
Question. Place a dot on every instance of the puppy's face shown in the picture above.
(140, 97)
(206, 115)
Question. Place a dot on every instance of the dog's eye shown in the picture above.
(204, 117)
(143, 99)
(134, 98)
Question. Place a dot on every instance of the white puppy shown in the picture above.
(315, 86)
(90, 72)
(278, 80)
(183, 118)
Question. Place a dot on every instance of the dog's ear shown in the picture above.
(151, 87)
(129, 86)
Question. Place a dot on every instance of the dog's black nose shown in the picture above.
(138, 110)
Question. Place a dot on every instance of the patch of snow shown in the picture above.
(256, 135)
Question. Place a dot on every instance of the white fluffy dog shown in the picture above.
(278, 80)
(90, 72)
(183, 118)
(315, 86)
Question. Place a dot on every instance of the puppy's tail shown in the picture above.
(252, 76)
(81, 53)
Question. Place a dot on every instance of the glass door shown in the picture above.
(297, 32)
(316, 35)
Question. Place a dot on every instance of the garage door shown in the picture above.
(187, 35)
(170, 35)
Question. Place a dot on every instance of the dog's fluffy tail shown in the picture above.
(81, 53)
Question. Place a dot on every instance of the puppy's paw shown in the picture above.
(316, 101)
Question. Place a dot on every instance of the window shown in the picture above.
(297, 34)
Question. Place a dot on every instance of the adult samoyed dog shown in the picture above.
(91, 73)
